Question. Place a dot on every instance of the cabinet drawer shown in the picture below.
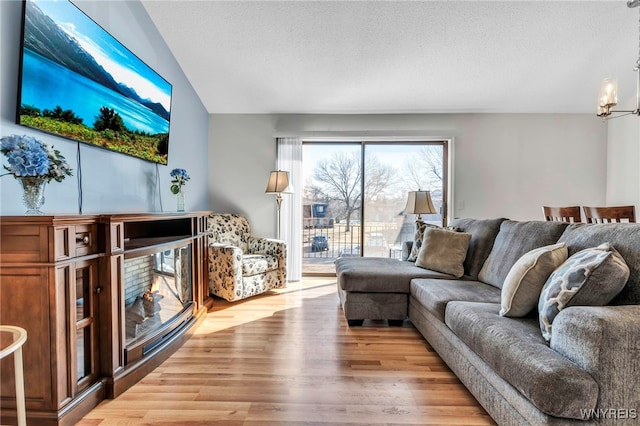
(74, 241)
(86, 239)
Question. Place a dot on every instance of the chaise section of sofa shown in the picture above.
(377, 288)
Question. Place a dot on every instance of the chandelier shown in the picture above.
(609, 89)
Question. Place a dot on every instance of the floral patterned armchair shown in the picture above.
(241, 265)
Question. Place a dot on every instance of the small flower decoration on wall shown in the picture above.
(180, 178)
(28, 157)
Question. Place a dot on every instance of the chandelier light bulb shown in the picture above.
(609, 93)
(608, 97)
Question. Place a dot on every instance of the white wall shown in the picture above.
(112, 182)
(623, 161)
(242, 152)
(506, 165)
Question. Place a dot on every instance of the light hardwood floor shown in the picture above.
(289, 358)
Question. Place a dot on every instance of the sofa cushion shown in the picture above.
(524, 282)
(625, 237)
(435, 294)
(483, 233)
(517, 352)
(591, 277)
(258, 264)
(514, 240)
(444, 251)
(379, 274)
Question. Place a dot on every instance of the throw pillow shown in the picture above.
(591, 277)
(419, 236)
(417, 239)
(524, 282)
(444, 251)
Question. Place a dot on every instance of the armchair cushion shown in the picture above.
(258, 264)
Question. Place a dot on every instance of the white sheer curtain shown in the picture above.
(290, 160)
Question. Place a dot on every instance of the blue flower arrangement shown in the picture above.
(180, 178)
(28, 157)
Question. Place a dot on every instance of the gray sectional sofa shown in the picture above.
(589, 371)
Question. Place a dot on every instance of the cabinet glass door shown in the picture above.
(86, 326)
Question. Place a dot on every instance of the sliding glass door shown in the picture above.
(355, 194)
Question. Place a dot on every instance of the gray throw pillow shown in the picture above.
(591, 277)
(524, 282)
(444, 251)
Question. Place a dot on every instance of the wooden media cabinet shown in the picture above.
(104, 299)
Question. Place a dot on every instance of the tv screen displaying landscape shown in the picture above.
(79, 82)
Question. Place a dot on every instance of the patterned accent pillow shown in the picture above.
(444, 251)
(591, 277)
(417, 240)
(524, 282)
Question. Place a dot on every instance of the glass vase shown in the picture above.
(180, 199)
(33, 194)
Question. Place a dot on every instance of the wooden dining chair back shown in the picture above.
(562, 214)
(610, 214)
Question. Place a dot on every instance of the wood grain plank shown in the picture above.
(288, 358)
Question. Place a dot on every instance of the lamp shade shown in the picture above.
(419, 202)
(278, 182)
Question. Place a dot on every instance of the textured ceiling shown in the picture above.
(400, 57)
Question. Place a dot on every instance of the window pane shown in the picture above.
(390, 172)
(330, 204)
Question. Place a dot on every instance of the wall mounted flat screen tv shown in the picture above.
(79, 82)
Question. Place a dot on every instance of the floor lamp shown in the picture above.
(278, 184)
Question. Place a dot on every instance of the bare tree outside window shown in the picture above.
(338, 182)
(424, 171)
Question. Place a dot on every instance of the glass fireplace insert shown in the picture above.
(158, 297)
